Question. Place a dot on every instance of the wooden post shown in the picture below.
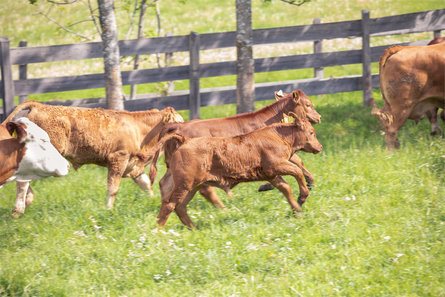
(7, 81)
(366, 59)
(23, 69)
(245, 67)
(168, 60)
(318, 48)
(195, 96)
(436, 34)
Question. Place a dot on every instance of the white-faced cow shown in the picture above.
(26, 154)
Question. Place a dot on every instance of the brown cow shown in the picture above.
(412, 81)
(118, 140)
(263, 154)
(432, 113)
(296, 102)
(26, 154)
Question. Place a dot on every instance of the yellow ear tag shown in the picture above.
(14, 134)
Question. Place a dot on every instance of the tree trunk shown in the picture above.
(245, 87)
(110, 48)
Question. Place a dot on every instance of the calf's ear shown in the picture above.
(296, 96)
(16, 130)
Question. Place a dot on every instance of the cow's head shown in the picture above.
(41, 159)
(171, 116)
(302, 106)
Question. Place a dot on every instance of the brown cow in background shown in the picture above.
(412, 81)
(118, 140)
(432, 113)
(263, 154)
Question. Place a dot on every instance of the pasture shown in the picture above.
(373, 225)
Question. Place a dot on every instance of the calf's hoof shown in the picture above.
(16, 214)
(265, 187)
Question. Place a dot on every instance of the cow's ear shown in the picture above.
(16, 130)
(295, 96)
(279, 95)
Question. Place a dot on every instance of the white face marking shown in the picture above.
(41, 158)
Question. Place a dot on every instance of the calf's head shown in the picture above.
(40, 159)
(308, 137)
(302, 106)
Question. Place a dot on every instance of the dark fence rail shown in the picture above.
(365, 28)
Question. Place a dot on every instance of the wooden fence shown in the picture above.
(365, 28)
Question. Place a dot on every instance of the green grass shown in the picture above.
(373, 226)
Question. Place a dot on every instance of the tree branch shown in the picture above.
(63, 27)
(61, 3)
(295, 2)
(93, 18)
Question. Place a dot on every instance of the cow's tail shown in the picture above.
(179, 139)
(381, 114)
(20, 111)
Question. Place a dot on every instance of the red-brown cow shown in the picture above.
(26, 154)
(263, 154)
(412, 81)
(296, 102)
(432, 113)
(118, 140)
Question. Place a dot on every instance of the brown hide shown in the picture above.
(118, 140)
(224, 162)
(412, 80)
(296, 102)
(11, 150)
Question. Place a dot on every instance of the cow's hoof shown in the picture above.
(265, 187)
(16, 214)
(437, 133)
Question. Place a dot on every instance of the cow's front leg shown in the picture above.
(284, 188)
(307, 175)
(209, 193)
(20, 199)
(289, 168)
(144, 183)
(117, 162)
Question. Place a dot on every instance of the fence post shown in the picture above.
(7, 81)
(318, 48)
(366, 59)
(436, 34)
(195, 96)
(23, 69)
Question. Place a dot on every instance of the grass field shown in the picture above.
(373, 225)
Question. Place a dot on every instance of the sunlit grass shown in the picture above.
(373, 225)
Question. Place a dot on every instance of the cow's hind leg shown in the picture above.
(169, 203)
(181, 210)
(284, 188)
(20, 199)
(166, 184)
(144, 183)
(117, 162)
